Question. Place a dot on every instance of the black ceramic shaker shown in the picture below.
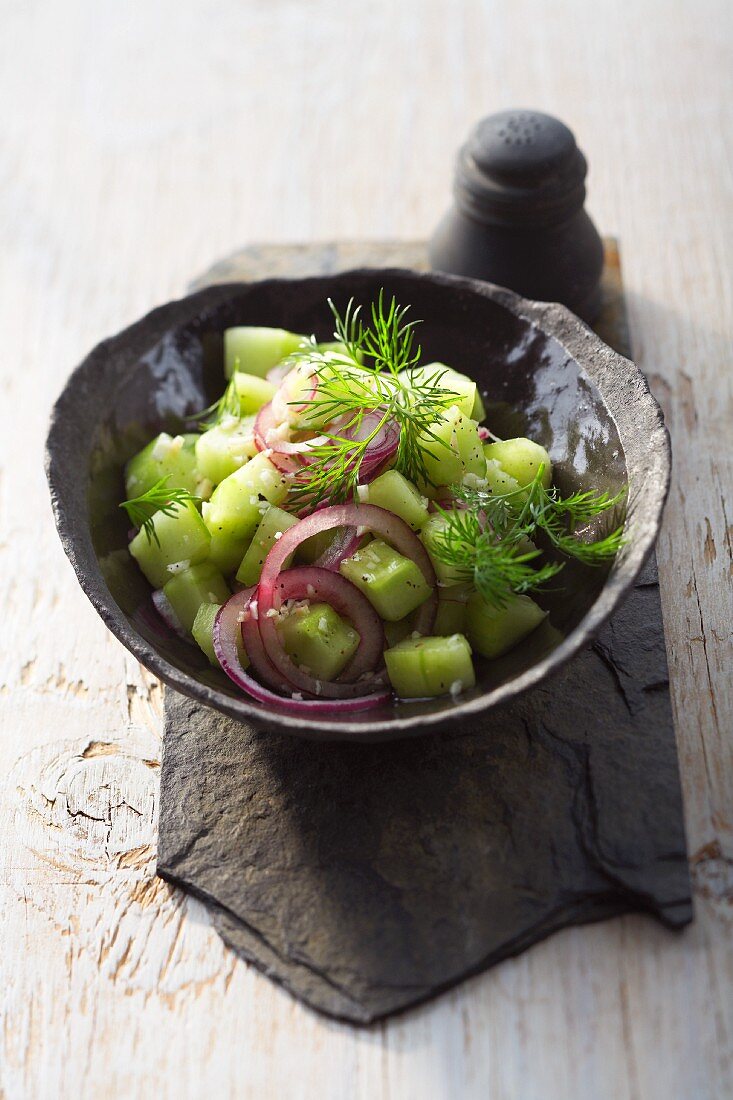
(518, 218)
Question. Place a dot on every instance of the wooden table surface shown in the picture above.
(138, 143)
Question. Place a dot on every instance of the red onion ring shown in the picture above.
(226, 626)
(483, 434)
(389, 526)
(309, 582)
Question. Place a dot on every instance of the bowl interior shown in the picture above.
(169, 365)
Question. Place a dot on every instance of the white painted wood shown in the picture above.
(139, 142)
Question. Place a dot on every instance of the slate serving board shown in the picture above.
(367, 878)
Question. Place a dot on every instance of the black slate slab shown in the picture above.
(368, 878)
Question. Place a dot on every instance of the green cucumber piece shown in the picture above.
(478, 412)
(311, 549)
(395, 493)
(319, 639)
(451, 616)
(521, 459)
(497, 480)
(182, 537)
(460, 452)
(203, 633)
(168, 456)
(273, 523)
(188, 590)
(446, 574)
(420, 668)
(494, 631)
(397, 632)
(226, 551)
(234, 508)
(391, 582)
(253, 392)
(225, 448)
(257, 350)
(462, 388)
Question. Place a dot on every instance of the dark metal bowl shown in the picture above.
(543, 373)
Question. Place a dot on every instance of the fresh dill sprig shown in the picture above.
(374, 374)
(496, 567)
(227, 405)
(489, 543)
(158, 498)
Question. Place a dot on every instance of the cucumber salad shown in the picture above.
(343, 529)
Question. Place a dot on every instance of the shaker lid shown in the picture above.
(520, 167)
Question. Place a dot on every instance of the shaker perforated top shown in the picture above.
(520, 167)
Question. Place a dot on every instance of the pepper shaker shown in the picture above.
(518, 218)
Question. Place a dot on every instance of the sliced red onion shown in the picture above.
(165, 610)
(226, 629)
(483, 433)
(383, 523)
(309, 582)
(277, 374)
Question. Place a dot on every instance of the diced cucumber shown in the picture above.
(203, 632)
(234, 508)
(478, 412)
(497, 480)
(451, 616)
(460, 451)
(494, 631)
(183, 540)
(257, 350)
(423, 667)
(521, 459)
(429, 536)
(199, 584)
(271, 526)
(226, 551)
(395, 493)
(397, 632)
(319, 639)
(391, 582)
(253, 392)
(168, 456)
(224, 448)
(461, 386)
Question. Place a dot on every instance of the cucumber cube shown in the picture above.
(420, 668)
(462, 388)
(271, 527)
(430, 538)
(253, 392)
(497, 480)
(451, 616)
(234, 507)
(521, 459)
(459, 452)
(391, 582)
(257, 350)
(203, 632)
(224, 448)
(226, 551)
(478, 412)
(494, 631)
(319, 639)
(183, 540)
(188, 590)
(397, 632)
(395, 493)
(168, 456)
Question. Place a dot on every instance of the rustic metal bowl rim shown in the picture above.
(626, 394)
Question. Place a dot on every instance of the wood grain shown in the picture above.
(137, 144)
